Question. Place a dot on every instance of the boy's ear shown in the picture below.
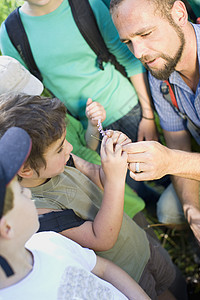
(6, 231)
(25, 171)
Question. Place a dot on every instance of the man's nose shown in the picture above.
(138, 49)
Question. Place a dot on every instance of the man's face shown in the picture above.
(156, 42)
(56, 156)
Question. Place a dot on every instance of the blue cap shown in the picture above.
(15, 147)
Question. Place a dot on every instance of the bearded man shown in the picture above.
(159, 34)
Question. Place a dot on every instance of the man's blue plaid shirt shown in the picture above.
(188, 102)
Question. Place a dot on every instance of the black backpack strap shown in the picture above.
(19, 39)
(192, 15)
(59, 220)
(87, 25)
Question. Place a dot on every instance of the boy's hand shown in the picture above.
(114, 160)
(118, 137)
(94, 111)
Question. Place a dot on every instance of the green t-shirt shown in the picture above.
(76, 136)
(73, 190)
(69, 66)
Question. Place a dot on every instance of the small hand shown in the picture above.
(147, 130)
(114, 160)
(118, 137)
(94, 112)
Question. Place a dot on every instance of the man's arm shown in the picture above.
(111, 273)
(186, 189)
(147, 127)
(157, 160)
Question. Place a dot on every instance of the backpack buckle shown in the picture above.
(100, 63)
(164, 88)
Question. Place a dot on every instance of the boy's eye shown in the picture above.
(60, 150)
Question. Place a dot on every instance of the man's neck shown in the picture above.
(188, 67)
(40, 10)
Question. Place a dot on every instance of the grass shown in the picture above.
(183, 251)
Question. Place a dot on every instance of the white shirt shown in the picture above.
(61, 270)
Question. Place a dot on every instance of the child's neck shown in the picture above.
(21, 263)
(40, 10)
(30, 182)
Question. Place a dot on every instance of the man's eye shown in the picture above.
(146, 34)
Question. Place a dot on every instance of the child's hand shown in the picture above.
(118, 137)
(114, 160)
(94, 111)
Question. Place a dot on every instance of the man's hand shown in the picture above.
(193, 216)
(152, 158)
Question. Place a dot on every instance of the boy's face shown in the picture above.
(56, 156)
(39, 2)
(23, 216)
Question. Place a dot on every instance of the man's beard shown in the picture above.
(171, 62)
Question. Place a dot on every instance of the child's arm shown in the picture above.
(111, 273)
(94, 111)
(102, 233)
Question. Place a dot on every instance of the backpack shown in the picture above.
(87, 25)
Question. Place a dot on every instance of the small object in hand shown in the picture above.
(95, 137)
(100, 128)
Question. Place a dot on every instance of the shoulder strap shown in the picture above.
(19, 39)
(59, 220)
(193, 17)
(167, 90)
(87, 24)
(85, 21)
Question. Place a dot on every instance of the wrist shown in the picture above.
(148, 118)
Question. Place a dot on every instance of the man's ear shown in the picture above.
(25, 171)
(179, 13)
(6, 231)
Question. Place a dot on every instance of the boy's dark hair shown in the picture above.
(44, 119)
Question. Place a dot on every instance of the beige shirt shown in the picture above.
(73, 190)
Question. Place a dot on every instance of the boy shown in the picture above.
(25, 266)
(14, 77)
(53, 189)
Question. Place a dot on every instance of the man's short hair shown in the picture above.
(44, 119)
(162, 6)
